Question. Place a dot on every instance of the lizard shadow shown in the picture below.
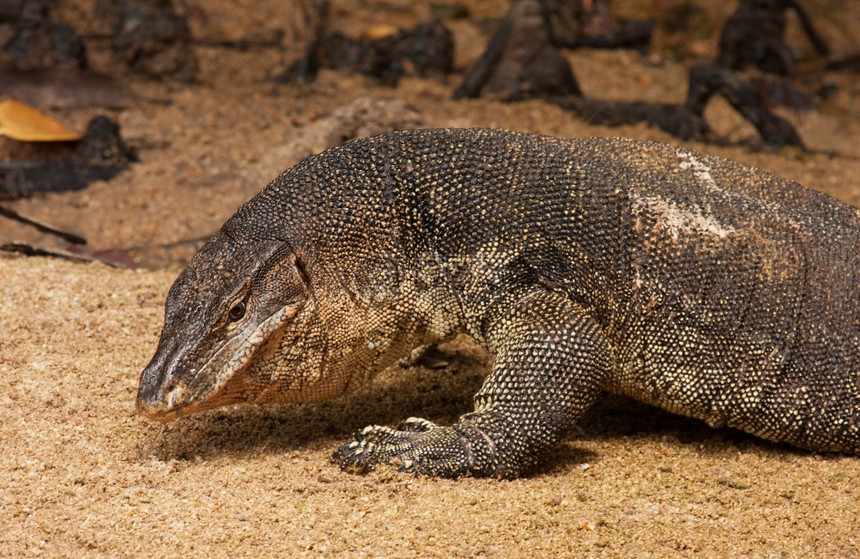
(619, 420)
(438, 394)
(616, 418)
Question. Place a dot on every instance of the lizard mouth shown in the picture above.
(156, 413)
(178, 402)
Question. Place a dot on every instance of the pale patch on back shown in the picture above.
(700, 170)
(678, 220)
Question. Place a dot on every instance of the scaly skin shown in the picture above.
(686, 281)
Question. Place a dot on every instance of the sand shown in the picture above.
(81, 475)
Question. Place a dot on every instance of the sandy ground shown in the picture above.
(82, 476)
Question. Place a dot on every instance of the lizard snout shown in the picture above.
(160, 394)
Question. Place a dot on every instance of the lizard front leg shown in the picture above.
(551, 361)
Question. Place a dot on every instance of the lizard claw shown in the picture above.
(420, 447)
(377, 444)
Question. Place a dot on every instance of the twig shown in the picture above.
(27, 249)
(42, 226)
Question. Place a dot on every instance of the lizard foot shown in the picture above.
(419, 446)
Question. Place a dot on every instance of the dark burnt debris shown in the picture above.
(44, 62)
(588, 23)
(149, 37)
(686, 120)
(753, 36)
(61, 166)
(523, 61)
(32, 40)
(426, 49)
(422, 50)
(152, 39)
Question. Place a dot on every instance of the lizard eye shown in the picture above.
(237, 313)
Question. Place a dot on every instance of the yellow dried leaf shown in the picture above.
(24, 123)
(376, 32)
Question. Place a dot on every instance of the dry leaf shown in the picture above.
(24, 123)
(376, 32)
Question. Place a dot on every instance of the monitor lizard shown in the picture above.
(686, 281)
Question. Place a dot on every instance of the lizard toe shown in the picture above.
(416, 425)
(419, 447)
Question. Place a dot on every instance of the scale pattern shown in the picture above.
(686, 281)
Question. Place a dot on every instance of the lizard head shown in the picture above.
(246, 323)
(218, 314)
